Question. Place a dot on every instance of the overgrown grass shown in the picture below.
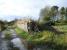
(62, 28)
(22, 33)
(46, 36)
(39, 37)
(54, 41)
(62, 38)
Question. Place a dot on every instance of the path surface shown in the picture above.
(3, 43)
(15, 40)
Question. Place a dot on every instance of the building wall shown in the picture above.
(22, 24)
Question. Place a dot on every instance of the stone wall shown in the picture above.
(22, 24)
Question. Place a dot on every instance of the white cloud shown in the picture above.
(25, 7)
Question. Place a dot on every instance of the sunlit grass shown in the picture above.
(37, 37)
(46, 36)
(22, 33)
(43, 36)
(62, 28)
(62, 38)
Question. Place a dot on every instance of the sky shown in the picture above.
(11, 9)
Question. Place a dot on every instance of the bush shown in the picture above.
(59, 39)
(44, 36)
(22, 33)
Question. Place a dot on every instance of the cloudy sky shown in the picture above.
(10, 8)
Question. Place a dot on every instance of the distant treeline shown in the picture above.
(54, 14)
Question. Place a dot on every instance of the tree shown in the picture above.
(54, 11)
(62, 12)
(66, 14)
(48, 14)
(44, 14)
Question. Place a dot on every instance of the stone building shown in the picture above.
(22, 24)
(27, 25)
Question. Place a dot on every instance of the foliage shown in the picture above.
(44, 14)
(46, 36)
(22, 33)
(53, 14)
(61, 39)
(61, 28)
(62, 10)
(36, 37)
(47, 13)
(2, 26)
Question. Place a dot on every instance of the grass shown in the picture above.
(37, 37)
(22, 33)
(61, 39)
(46, 36)
(62, 28)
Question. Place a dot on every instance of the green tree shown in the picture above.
(54, 11)
(62, 12)
(44, 14)
(48, 13)
(66, 14)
